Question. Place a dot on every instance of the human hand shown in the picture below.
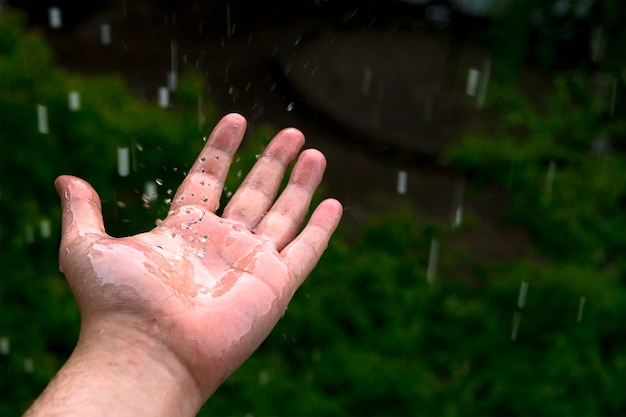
(199, 292)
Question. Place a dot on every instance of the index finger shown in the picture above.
(203, 185)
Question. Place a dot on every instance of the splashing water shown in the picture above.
(149, 192)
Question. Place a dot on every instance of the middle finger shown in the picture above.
(258, 190)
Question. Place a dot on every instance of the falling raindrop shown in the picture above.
(472, 82)
(172, 80)
(123, 167)
(164, 97)
(402, 182)
(44, 227)
(290, 106)
(229, 27)
(54, 17)
(517, 320)
(159, 181)
(73, 100)
(433, 256)
(523, 291)
(42, 119)
(149, 192)
(105, 34)
(172, 76)
(581, 308)
(5, 346)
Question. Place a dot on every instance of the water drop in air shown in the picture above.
(45, 228)
(402, 182)
(290, 106)
(5, 346)
(433, 256)
(42, 119)
(164, 97)
(105, 34)
(517, 320)
(523, 291)
(73, 100)
(159, 181)
(472, 82)
(150, 192)
(123, 166)
(54, 17)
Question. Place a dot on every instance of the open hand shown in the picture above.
(208, 289)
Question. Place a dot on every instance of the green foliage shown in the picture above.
(563, 167)
(366, 334)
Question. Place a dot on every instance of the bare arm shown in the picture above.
(168, 315)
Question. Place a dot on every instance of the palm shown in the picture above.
(220, 283)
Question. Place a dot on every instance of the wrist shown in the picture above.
(119, 369)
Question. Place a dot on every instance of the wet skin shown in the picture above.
(205, 288)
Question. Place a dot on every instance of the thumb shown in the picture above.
(82, 210)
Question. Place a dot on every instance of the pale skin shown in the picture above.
(168, 315)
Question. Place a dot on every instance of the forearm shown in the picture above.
(117, 371)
